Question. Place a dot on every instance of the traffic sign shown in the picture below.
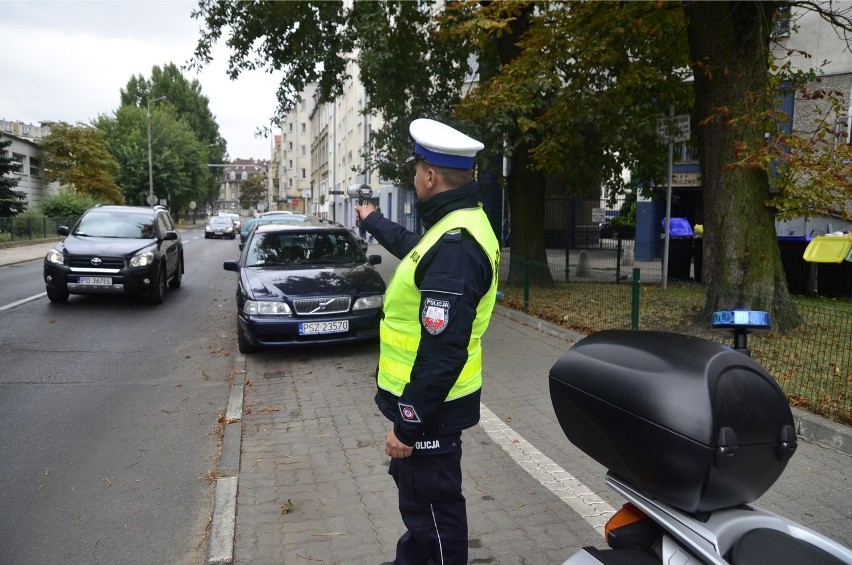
(674, 129)
(152, 199)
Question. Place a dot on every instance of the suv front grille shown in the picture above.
(85, 262)
(320, 306)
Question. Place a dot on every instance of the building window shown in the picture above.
(303, 174)
(290, 146)
(244, 175)
(35, 167)
(18, 163)
(290, 128)
(232, 175)
(291, 183)
(304, 128)
(304, 151)
(782, 22)
(291, 164)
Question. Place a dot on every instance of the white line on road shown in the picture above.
(578, 496)
(22, 301)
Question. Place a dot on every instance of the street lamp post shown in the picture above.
(151, 198)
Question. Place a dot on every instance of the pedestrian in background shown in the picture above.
(437, 307)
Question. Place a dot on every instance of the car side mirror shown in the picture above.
(170, 236)
(231, 265)
(62, 230)
(374, 259)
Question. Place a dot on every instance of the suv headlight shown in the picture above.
(142, 260)
(369, 302)
(266, 308)
(55, 257)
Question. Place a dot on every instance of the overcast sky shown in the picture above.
(68, 61)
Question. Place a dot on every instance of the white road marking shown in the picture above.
(575, 494)
(22, 301)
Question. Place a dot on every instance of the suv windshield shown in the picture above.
(302, 248)
(110, 224)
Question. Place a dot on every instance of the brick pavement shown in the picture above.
(313, 483)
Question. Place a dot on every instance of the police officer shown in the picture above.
(437, 307)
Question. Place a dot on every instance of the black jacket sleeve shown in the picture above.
(390, 235)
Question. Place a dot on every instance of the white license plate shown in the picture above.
(333, 327)
(95, 281)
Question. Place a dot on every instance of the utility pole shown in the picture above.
(151, 198)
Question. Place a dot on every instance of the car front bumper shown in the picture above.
(135, 281)
(267, 331)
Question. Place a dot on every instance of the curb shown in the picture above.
(810, 427)
(223, 523)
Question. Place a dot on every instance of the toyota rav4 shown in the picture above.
(128, 250)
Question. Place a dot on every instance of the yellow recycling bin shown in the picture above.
(829, 249)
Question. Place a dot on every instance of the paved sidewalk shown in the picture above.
(313, 484)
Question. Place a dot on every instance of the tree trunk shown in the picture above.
(729, 47)
(526, 191)
(525, 187)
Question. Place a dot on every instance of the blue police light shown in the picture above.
(741, 318)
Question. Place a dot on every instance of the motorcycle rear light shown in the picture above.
(630, 528)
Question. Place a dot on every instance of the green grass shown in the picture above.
(813, 364)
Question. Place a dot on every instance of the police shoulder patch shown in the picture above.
(408, 413)
(435, 315)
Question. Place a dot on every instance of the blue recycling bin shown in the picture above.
(680, 248)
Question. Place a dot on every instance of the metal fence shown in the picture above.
(597, 291)
(28, 227)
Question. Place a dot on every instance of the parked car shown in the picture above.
(276, 213)
(307, 282)
(234, 218)
(267, 219)
(127, 250)
(220, 226)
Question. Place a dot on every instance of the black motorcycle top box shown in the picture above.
(685, 420)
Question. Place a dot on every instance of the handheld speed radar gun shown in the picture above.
(362, 192)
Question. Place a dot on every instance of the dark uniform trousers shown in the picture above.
(431, 503)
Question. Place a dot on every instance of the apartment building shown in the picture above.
(811, 41)
(290, 175)
(26, 153)
(324, 149)
(231, 176)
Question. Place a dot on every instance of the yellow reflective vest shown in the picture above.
(400, 328)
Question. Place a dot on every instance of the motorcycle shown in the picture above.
(691, 433)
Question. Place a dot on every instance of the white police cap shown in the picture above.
(441, 145)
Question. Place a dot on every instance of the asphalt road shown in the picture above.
(109, 417)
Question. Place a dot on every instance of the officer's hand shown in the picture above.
(395, 448)
(364, 210)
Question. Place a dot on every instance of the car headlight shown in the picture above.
(142, 260)
(55, 257)
(229, 230)
(208, 228)
(369, 302)
(266, 308)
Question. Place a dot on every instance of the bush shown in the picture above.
(28, 224)
(66, 204)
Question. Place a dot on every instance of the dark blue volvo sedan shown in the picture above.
(306, 282)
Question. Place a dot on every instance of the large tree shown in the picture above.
(573, 93)
(189, 103)
(77, 157)
(179, 159)
(252, 191)
(12, 202)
